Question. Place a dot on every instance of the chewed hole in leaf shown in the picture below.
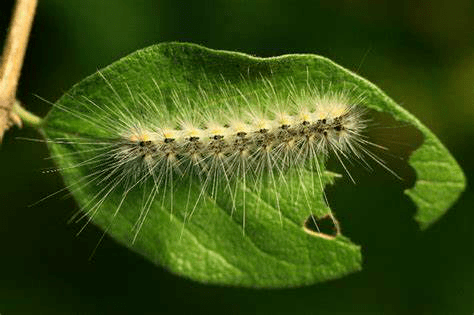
(325, 226)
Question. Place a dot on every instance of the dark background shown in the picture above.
(421, 54)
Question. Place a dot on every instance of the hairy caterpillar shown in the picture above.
(246, 143)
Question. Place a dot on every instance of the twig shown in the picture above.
(12, 61)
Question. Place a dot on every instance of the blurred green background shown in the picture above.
(419, 53)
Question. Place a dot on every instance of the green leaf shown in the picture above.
(211, 247)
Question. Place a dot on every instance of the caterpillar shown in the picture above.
(246, 143)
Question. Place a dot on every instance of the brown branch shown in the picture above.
(12, 60)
